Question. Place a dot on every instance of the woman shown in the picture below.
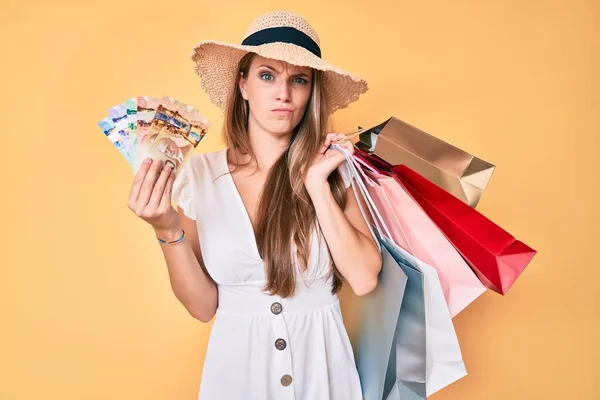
(267, 229)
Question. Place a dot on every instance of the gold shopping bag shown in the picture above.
(456, 171)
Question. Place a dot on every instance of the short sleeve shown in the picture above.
(343, 170)
(183, 189)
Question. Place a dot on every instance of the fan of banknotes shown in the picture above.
(156, 127)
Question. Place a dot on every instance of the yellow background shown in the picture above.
(87, 311)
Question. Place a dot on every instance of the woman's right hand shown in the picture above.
(150, 198)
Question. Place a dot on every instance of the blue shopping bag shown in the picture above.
(405, 374)
(390, 349)
(379, 311)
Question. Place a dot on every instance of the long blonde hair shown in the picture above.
(285, 213)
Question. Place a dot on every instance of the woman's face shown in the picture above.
(277, 93)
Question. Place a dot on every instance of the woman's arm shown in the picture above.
(190, 281)
(150, 199)
(352, 247)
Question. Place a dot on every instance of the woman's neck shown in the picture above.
(267, 149)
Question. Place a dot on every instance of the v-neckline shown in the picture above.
(241, 205)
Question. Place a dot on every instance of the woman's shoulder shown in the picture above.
(199, 170)
(205, 159)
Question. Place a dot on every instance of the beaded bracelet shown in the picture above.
(173, 241)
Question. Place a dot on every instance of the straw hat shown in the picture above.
(278, 35)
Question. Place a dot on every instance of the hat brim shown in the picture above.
(216, 63)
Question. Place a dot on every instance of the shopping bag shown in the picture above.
(496, 257)
(428, 355)
(377, 340)
(444, 363)
(411, 228)
(458, 172)
(379, 311)
(390, 348)
(407, 367)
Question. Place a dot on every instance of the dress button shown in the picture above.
(280, 344)
(276, 308)
(286, 380)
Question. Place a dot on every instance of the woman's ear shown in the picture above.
(242, 83)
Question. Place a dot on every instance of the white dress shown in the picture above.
(262, 347)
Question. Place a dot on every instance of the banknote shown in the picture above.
(151, 122)
(108, 127)
(131, 110)
(118, 115)
(146, 123)
(199, 126)
(183, 131)
(156, 127)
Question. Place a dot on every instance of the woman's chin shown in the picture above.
(280, 130)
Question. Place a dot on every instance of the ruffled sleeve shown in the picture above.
(183, 189)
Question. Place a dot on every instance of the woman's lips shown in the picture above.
(282, 111)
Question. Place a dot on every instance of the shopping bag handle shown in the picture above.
(352, 163)
(360, 173)
(375, 215)
(360, 206)
(365, 164)
(357, 182)
(354, 134)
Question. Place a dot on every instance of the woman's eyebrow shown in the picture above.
(268, 66)
(273, 69)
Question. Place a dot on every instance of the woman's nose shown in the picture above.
(284, 91)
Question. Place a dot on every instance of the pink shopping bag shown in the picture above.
(413, 230)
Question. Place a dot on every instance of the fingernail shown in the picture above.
(147, 160)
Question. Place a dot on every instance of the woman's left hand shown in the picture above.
(327, 160)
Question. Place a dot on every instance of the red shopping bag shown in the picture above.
(496, 257)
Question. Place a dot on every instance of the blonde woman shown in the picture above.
(267, 229)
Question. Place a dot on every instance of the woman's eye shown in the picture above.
(301, 80)
(266, 74)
